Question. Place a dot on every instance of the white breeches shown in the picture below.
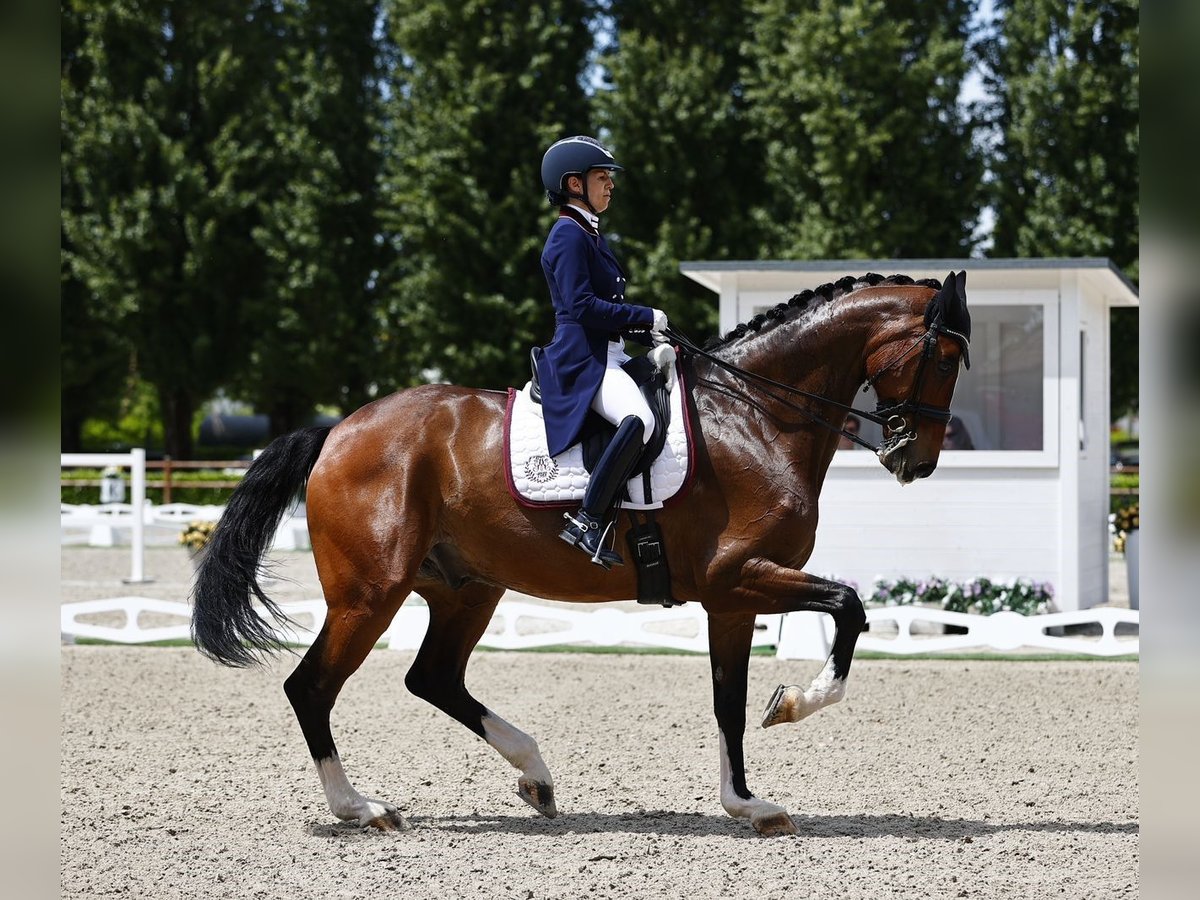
(619, 397)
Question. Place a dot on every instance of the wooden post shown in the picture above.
(166, 480)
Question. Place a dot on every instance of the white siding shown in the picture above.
(958, 524)
(1093, 459)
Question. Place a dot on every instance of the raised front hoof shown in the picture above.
(775, 824)
(389, 820)
(784, 706)
(539, 795)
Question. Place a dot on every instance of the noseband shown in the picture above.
(894, 419)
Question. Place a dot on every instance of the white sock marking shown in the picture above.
(736, 806)
(344, 801)
(516, 746)
(825, 689)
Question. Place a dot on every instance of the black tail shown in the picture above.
(225, 626)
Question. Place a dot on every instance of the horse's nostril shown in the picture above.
(924, 470)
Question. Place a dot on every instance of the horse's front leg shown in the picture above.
(775, 589)
(729, 652)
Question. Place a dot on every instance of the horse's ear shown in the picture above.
(959, 317)
(939, 303)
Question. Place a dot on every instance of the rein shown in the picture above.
(890, 418)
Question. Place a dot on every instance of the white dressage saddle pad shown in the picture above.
(537, 479)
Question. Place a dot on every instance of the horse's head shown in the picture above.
(913, 368)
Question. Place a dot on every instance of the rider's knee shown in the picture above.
(647, 426)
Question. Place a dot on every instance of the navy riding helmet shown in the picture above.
(573, 156)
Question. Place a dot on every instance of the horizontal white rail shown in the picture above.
(518, 626)
(810, 637)
(100, 525)
(515, 625)
(91, 460)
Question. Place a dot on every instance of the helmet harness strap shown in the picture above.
(582, 176)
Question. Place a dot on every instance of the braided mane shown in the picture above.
(805, 301)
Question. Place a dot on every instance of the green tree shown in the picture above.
(314, 330)
(1064, 79)
(868, 153)
(480, 90)
(96, 355)
(675, 113)
(162, 145)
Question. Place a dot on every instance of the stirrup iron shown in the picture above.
(600, 549)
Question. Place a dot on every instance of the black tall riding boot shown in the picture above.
(586, 528)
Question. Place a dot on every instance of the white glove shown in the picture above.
(663, 357)
(660, 320)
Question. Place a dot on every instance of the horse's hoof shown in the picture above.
(539, 795)
(389, 820)
(781, 707)
(774, 824)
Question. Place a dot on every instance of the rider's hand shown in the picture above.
(663, 357)
(660, 321)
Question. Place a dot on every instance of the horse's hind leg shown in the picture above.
(457, 620)
(349, 633)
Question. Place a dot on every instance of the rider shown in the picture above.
(581, 367)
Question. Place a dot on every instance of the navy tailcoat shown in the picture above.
(587, 287)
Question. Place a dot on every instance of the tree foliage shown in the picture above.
(867, 151)
(307, 202)
(1064, 77)
(220, 195)
(94, 368)
(480, 90)
(162, 147)
(315, 336)
(675, 112)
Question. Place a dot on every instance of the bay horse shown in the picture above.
(408, 495)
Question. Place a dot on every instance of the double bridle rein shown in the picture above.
(893, 419)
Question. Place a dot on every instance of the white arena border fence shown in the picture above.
(105, 517)
(521, 626)
(106, 524)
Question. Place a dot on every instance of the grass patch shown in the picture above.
(984, 656)
(670, 651)
(591, 648)
(100, 642)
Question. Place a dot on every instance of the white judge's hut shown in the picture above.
(1024, 493)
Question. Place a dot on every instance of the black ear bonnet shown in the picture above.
(947, 312)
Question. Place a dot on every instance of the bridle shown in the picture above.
(894, 419)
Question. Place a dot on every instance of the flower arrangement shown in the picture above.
(196, 535)
(1123, 521)
(981, 596)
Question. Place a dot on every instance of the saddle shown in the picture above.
(598, 432)
(645, 537)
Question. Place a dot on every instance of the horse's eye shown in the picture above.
(946, 366)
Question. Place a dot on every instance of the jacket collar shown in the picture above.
(587, 221)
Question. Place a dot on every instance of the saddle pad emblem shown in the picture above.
(540, 469)
(536, 479)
